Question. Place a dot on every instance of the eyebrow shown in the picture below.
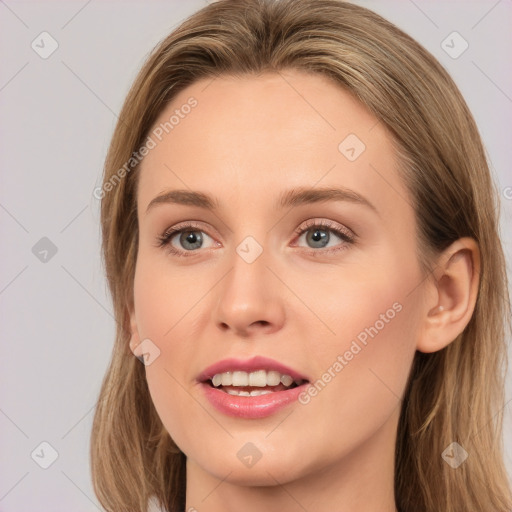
(288, 199)
(302, 195)
(184, 197)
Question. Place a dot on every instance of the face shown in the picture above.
(305, 257)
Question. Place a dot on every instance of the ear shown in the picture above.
(135, 345)
(451, 295)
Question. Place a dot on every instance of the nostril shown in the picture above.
(263, 323)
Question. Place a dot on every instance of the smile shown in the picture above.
(241, 383)
(251, 389)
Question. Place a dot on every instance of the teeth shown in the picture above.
(227, 378)
(286, 380)
(258, 379)
(240, 379)
(256, 392)
(273, 378)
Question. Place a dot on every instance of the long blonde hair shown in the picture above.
(456, 394)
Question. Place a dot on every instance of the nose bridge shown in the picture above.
(248, 298)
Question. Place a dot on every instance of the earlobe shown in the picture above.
(452, 293)
(135, 345)
(134, 338)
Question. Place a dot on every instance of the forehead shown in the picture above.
(243, 136)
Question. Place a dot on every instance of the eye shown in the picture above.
(184, 239)
(318, 234)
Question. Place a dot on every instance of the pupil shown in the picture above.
(320, 236)
(191, 237)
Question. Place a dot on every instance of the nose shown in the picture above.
(249, 300)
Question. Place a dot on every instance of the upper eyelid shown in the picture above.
(182, 226)
(327, 224)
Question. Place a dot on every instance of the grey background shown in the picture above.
(57, 118)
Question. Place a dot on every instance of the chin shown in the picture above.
(271, 468)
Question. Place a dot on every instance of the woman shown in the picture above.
(300, 238)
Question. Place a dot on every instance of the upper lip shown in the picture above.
(248, 365)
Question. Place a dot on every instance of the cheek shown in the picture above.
(362, 369)
(366, 309)
(164, 296)
(373, 331)
(166, 305)
(372, 318)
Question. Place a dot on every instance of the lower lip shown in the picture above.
(251, 406)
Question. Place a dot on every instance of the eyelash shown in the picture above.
(164, 240)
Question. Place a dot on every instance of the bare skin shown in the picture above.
(248, 140)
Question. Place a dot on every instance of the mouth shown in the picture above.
(254, 388)
(256, 383)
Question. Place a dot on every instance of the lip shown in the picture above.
(250, 407)
(249, 365)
